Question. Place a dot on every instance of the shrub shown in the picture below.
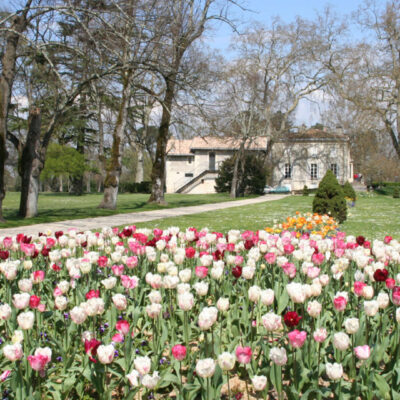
(349, 191)
(329, 198)
(396, 192)
(252, 180)
(385, 188)
(134, 187)
(306, 191)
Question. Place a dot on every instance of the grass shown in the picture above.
(55, 207)
(374, 216)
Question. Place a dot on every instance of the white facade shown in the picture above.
(304, 159)
(300, 159)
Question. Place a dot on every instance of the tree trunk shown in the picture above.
(77, 181)
(30, 167)
(140, 166)
(7, 75)
(158, 170)
(235, 177)
(88, 188)
(114, 168)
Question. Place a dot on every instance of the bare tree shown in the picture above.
(187, 21)
(284, 60)
(16, 24)
(61, 88)
(366, 73)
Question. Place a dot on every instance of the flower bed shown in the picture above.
(195, 314)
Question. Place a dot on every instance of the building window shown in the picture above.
(314, 171)
(190, 160)
(189, 175)
(211, 161)
(288, 171)
(334, 169)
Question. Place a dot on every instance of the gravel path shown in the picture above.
(132, 218)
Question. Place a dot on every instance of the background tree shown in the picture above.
(187, 20)
(251, 179)
(15, 25)
(366, 73)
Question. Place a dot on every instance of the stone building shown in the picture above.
(297, 160)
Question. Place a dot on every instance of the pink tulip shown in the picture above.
(243, 354)
(340, 303)
(179, 352)
(129, 282)
(117, 269)
(38, 362)
(396, 295)
(288, 248)
(102, 261)
(7, 243)
(362, 352)
(38, 276)
(390, 283)
(5, 375)
(270, 258)
(239, 260)
(201, 271)
(122, 326)
(28, 249)
(297, 338)
(131, 262)
(387, 239)
(318, 258)
(313, 272)
(289, 269)
(320, 335)
(358, 287)
(118, 338)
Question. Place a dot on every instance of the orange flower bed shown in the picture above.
(323, 225)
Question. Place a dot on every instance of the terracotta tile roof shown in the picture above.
(313, 133)
(185, 147)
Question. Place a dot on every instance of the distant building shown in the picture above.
(299, 159)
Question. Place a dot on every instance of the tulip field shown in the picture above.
(298, 310)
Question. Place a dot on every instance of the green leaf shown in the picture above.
(395, 395)
(68, 383)
(283, 301)
(383, 387)
(171, 378)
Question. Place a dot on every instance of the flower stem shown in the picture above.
(229, 387)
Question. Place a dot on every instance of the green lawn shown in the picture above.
(60, 206)
(374, 216)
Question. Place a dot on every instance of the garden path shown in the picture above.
(132, 218)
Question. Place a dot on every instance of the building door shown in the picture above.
(211, 161)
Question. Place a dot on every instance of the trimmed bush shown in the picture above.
(306, 191)
(396, 192)
(329, 198)
(349, 191)
(385, 188)
(251, 181)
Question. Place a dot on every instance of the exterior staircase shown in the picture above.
(190, 185)
(359, 186)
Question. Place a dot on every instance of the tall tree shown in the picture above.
(187, 20)
(366, 72)
(16, 24)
